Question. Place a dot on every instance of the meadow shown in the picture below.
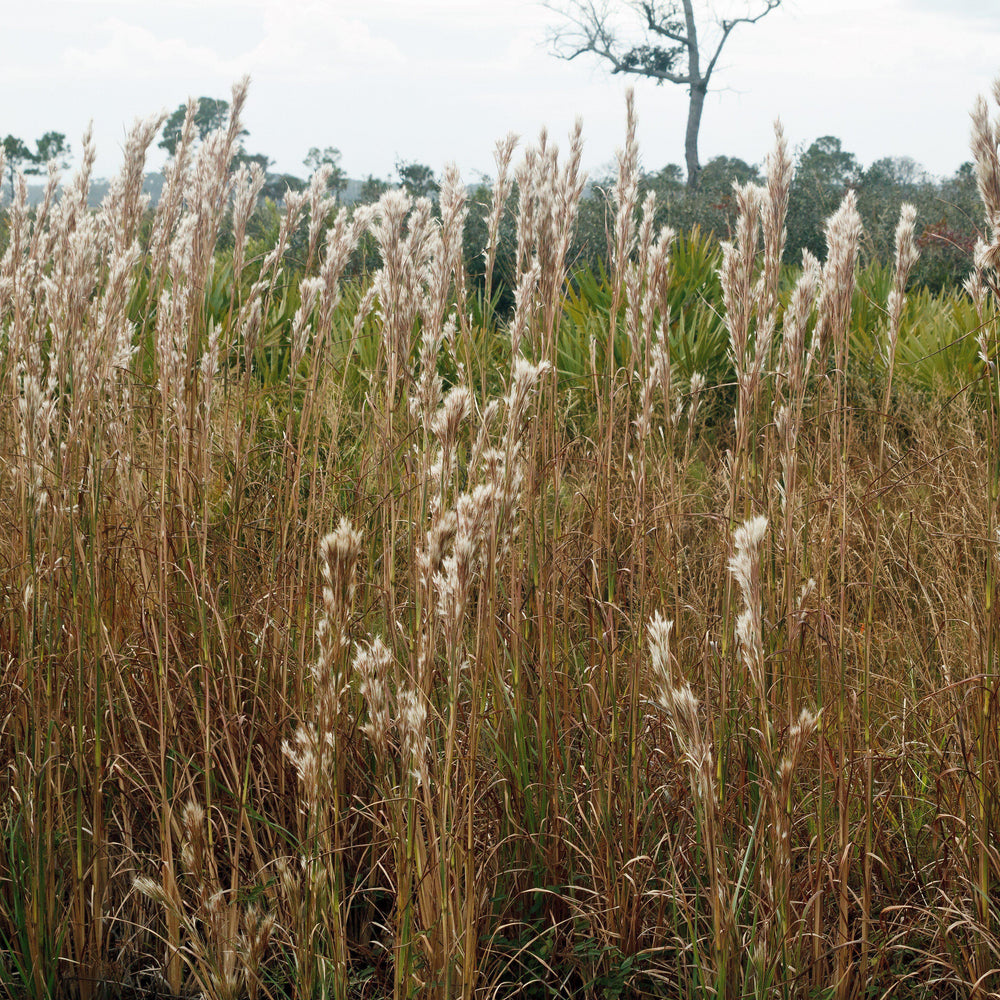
(362, 638)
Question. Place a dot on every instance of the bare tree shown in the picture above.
(666, 44)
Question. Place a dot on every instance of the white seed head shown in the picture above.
(151, 889)
(412, 710)
(456, 407)
(658, 631)
(751, 533)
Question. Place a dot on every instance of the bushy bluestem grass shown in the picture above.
(360, 642)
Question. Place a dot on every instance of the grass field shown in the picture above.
(360, 641)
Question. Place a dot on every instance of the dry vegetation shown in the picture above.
(369, 654)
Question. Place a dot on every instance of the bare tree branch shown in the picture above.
(728, 25)
(670, 50)
(660, 26)
(590, 32)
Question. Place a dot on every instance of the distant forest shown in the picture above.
(948, 209)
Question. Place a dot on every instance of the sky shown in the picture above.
(441, 80)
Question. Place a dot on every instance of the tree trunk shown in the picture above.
(695, 107)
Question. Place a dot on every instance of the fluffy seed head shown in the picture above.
(371, 663)
(455, 408)
(658, 631)
(412, 711)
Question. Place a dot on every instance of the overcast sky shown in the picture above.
(440, 80)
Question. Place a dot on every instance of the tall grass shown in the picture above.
(642, 643)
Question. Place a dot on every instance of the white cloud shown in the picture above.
(461, 14)
(312, 40)
(975, 10)
(131, 51)
(296, 39)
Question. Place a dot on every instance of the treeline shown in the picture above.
(948, 215)
(948, 212)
